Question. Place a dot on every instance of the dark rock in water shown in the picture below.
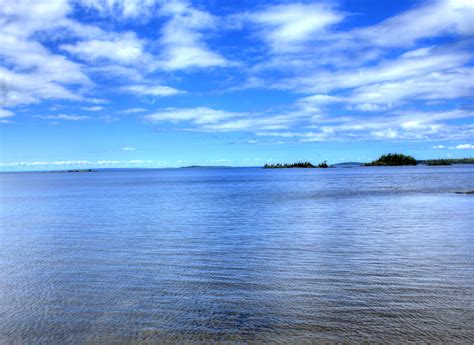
(468, 192)
(72, 171)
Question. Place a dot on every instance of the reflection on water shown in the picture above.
(249, 255)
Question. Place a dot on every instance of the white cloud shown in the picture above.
(141, 161)
(30, 72)
(439, 147)
(367, 107)
(148, 90)
(6, 113)
(353, 79)
(255, 122)
(115, 71)
(284, 27)
(32, 87)
(447, 84)
(93, 108)
(63, 117)
(128, 148)
(96, 100)
(434, 18)
(107, 162)
(397, 69)
(200, 115)
(23, 17)
(395, 125)
(463, 147)
(182, 38)
(124, 49)
(132, 111)
(45, 163)
(126, 9)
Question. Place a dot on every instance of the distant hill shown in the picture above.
(347, 164)
(205, 167)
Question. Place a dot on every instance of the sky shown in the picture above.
(154, 83)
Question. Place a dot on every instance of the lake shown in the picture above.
(238, 255)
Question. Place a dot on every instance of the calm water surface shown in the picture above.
(237, 255)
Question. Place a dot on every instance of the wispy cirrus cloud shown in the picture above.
(151, 90)
(316, 126)
(288, 27)
(132, 111)
(199, 116)
(93, 108)
(407, 77)
(433, 18)
(63, 117)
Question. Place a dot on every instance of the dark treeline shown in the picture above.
(296, 165)
(289, 165)
(447, 161)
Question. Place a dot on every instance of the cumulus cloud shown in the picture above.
(122, 9)
(463, 147)
(124, 49)
(30, 72)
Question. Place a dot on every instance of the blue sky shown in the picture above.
(127, 83)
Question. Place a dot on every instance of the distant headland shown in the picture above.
(447, 161)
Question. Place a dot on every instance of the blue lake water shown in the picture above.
(241, 255)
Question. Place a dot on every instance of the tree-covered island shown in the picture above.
(393, 159)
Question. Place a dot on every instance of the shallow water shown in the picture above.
(238, 255)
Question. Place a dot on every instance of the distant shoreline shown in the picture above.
(337, 165)
(390, 159)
